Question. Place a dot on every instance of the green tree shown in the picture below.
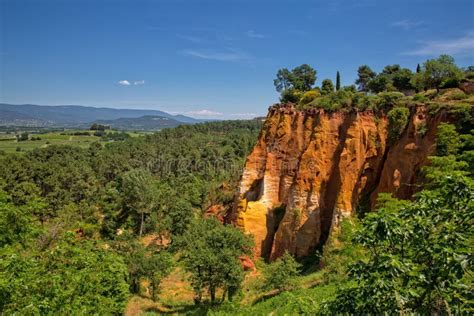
(398, 120)
(441, 72)
(142, 262)
(380, 83)
(304, 77)
(420, 255)
(448, 140)
(338, 81)
(139, 195)
(391, 69)
(291, 84)
(365, 74)
(281, 273)
(16, 222)
(210, 252)
(418, 68)
(76, 277)
(402, 79)
(327, 86)
(284, 80)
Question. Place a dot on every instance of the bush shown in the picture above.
(420, 98)
(390, 99)
(448, 140)
(309, 97)
(398, 120)
(458, 96)
(364, 102)
(290, 96)
(281, 273)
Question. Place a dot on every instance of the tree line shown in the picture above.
(438, 73)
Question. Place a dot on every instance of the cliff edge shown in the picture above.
(311, 167)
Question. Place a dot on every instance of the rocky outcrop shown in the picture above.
(310, 168)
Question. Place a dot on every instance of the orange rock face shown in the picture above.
(310, 168)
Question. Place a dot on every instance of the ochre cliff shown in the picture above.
(310, 168)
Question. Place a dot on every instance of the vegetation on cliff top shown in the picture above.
(393, 86)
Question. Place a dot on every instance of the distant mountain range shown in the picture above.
(143, 123)
(82, 116)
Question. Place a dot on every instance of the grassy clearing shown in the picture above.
(9, 143)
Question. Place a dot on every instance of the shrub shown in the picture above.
(398, 120)
(363, 102)
(290, 95)
(420, 98)
(448, 140)
(390, 99)
(281, 273)
(327, 86)
(422, 129)
(309, 96)
(458, 96)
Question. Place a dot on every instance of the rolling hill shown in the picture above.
(143, 123)
(77, 115)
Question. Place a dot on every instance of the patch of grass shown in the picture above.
(9, 143)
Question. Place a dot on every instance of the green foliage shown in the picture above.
(210, 252)
(448, 140)
(101, 192)
(143, 263)
(380, 83)
(441, 73)
(398, 120)
(402, 80)
(281, 274)
(420, 98)
(290, 96)
(419, 255)
(352, 88)
(139, 192)
(327, 86)
(309, 97)
(291, 84)
(334, 101)
(75, 277)
(16, 222)
(338, 81)
(364, 75)
(303, 77)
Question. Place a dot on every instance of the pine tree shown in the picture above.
(338, 81)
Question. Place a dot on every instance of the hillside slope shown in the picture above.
(143, 123)
(74, 115)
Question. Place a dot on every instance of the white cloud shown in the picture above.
(253, 34)
(456, 46)
(218, 55)
(204, 112)
(138, 82)
(407, 24)
(124, 82)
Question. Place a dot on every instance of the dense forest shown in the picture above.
(95, 230)
(71, 218)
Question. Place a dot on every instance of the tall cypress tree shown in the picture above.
(418, 68)
(338, 81)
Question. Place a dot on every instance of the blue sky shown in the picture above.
(211, 58)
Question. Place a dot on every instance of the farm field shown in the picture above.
(9, 142)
